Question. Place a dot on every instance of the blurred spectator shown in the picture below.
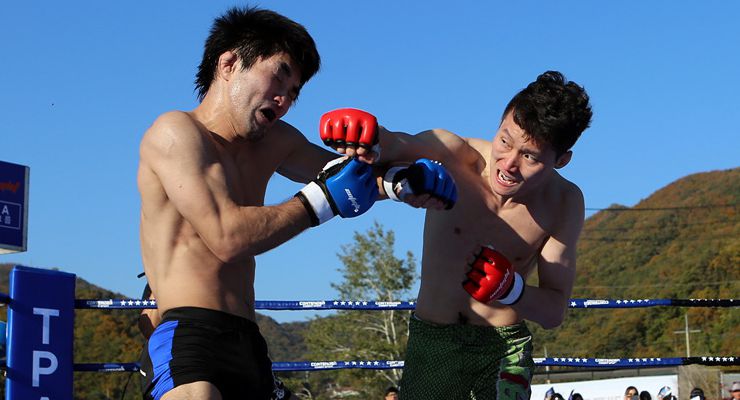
(664, 393)
(735, 391)
(557, 396)
(576, 396)
(391, 393)
(697, 394)
(645, 395)
(631, 393)
(549, 393)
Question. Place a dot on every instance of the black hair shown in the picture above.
(697, 392)
(552, 110)
(254, 33)
(630, 388)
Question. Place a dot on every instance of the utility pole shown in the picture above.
(686, 331)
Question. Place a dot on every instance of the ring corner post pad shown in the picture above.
(40, 334)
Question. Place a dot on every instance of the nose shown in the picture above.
(282, 100)
(511, 161)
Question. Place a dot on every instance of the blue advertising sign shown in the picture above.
(13, 207)
(40, 334)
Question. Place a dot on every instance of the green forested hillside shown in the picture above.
(681, 242)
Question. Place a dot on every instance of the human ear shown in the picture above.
(563, 160)
(227, 64)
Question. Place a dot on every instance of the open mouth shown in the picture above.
(269, 114)
(505, 179)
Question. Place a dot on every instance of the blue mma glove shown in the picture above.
(424, 176)
(345, 187)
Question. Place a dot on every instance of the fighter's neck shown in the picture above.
(216, 119)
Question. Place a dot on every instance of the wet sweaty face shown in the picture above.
(263, 93)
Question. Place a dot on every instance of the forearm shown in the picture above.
(434, 144)
(398, 147)
(544, 306)
(254, 230)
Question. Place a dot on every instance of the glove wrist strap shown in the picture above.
(316, 203)
(390, 185)
(517, 289)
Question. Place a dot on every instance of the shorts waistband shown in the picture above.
(467, 332)
(215, 317)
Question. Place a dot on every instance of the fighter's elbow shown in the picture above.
(551, 323)
(553, 319)
(226, 249)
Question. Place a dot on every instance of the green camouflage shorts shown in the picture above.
(467, 362)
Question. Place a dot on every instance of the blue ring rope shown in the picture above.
(409, 305)
(387, 364)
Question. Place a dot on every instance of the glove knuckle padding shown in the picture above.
(349, 125)
(424, 176)
(497, 280)
(415, 177)
(369, 136)
(337, 131)
(447, 191)
(352, 187)
(345, 187)
(325, 131)
(353, 131)
(476, 276)
(438, 182)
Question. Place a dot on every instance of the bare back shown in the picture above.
(190, 181)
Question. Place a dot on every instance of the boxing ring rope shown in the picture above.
(610, 363)
(42, 301)
(123, 304)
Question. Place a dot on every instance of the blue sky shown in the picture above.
(81, 81)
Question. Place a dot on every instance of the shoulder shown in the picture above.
(284, 138)
(444, 138)
(569, 204)
(570, 193)
(284, 130)
(480, 145)
(457, 148)
(172, 130)
(173, 120)
(170, 122)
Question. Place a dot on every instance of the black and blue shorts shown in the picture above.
(196, 344)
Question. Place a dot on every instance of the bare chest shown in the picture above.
(453, 236)
(247, 174)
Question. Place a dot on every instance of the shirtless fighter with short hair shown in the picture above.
(202, 178)
(514, 213)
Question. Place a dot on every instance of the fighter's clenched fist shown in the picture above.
(492, 278)
(352, 132)
(345, 187)
(423, 177)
